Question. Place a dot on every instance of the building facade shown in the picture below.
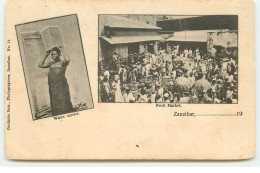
(128, 38)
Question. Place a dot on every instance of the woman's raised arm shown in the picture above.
(64, 54)
(42, 62)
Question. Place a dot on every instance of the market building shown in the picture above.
(183, 59)
(129, 38)
(206, 22)
(197, 31)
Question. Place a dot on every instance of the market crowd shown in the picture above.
(173, 75)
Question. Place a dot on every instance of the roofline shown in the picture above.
(158, 28)
(195, 16)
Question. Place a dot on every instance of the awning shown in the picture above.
(131, 39)
(192, 36)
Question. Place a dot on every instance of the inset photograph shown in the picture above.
(54, 66)
(168, 59)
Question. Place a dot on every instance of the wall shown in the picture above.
(122, 49)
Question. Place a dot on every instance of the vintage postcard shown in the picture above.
(157, 80)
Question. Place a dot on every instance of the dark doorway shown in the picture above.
(151, 48)
(133, 48)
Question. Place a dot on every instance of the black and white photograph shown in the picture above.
(54, 66)
(187, 59)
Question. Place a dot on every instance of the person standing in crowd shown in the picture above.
(117, 90)
(147, 71)
(229, 95)
(160, 90)
(143, 71)
(177, 49)
(191, 79)
(186, 52)
(139, 71)
(116, 61)
(105, 90)
(170, 68)
(123, 74)
(107, 74)
(132, 73)
(190, 55)
(163, 67)
(213, 89)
